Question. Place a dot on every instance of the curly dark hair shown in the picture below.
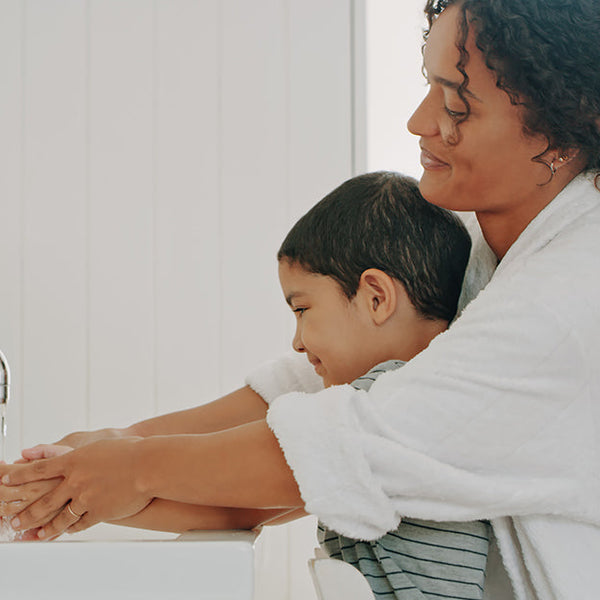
(546, 57)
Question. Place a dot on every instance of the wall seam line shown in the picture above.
(155, 232)
(220, 194)
(88, 219)
(22, 215)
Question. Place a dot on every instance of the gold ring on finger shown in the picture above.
(72, 511)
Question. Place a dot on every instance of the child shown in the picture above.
(373, 273)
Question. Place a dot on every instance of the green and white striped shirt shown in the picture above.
(420, 560)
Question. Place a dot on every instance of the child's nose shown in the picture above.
(297, 344)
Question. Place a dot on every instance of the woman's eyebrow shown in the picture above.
(454, 86)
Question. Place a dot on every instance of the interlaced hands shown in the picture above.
(56, 489)
(14, 500)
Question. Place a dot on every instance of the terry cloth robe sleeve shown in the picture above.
(289, 373)
(499, 416)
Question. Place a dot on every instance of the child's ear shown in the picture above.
(378, 292)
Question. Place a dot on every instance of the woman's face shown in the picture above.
(489, 169)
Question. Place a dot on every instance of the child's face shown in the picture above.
(332, 330)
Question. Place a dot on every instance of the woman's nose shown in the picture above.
(422, 122)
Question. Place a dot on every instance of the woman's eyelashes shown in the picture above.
(454, 114)
(298, 311)
(452, 100)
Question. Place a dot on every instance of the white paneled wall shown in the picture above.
(394, 32)
(153, 154)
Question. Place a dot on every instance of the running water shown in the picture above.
(7, 533)
(3, 430)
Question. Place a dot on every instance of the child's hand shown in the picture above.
(15, 499)
(43, 451)
(78, 439)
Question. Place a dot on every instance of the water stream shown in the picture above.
(7, 533)
(3, 431)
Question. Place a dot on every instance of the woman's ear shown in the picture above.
(378, 292)
(559, 159)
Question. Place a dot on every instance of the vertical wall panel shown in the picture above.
(396, 84)
(121, 211)
(54, 302)
(320, 100)
(320, 158)
(358, 95)
(188, 298)
(253, 182)
(11, 25)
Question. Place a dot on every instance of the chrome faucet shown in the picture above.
(4, 379)
(4, 394)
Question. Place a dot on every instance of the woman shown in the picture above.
(499, 418)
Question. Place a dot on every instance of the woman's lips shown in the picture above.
(431, 162)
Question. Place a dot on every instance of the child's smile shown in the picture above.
(330, 328)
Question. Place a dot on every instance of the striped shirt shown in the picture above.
(420, 559)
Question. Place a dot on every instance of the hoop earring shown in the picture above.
(553, 169)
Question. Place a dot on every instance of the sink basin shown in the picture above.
(138, 566)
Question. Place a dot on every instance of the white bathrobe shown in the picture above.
(498, 418)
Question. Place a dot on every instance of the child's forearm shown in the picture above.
(242, 406)
(168, 515)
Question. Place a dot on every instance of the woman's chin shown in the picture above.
(438, 189)
(434, 187)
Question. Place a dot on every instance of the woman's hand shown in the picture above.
(14, 500)
(96, 483)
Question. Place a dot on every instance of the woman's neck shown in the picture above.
(501, 229)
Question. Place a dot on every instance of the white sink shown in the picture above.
(139, 566)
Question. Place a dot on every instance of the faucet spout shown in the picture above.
(4, 395)
(4, 379)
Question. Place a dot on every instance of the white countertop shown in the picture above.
(126, 564)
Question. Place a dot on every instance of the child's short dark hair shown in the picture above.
(380, 220)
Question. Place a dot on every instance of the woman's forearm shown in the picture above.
(168, 515)
(239, 467)
(242, 467)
